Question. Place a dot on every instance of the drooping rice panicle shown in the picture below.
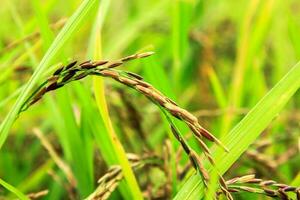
(72, 72)
(271, 188)
(110, 180)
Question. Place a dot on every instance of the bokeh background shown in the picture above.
(215, 58)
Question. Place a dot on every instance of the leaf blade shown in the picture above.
(247, 130)
(63, 36)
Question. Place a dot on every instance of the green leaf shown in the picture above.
(246, 131)
(64, 35)
(132, 187)
(14, 190)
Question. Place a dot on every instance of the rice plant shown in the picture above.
(149, 99)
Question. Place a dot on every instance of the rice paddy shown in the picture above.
(183, 99)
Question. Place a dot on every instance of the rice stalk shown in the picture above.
(111, 179)
(56, 158)
(38, 195)
(73, 71)
(270, 188)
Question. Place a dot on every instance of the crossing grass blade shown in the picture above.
(247, 130)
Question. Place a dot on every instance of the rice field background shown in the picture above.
(160, 99)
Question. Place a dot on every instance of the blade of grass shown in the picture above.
(14, 190)
(240, 63)
(18, 20)
(181, 19)
(64, 35)
(81, 159)
(43, 23)
(36, 177)
(217, 87)
(245, 132)
(99, 90)
(97, 127)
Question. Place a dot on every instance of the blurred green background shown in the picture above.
(215, 58)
